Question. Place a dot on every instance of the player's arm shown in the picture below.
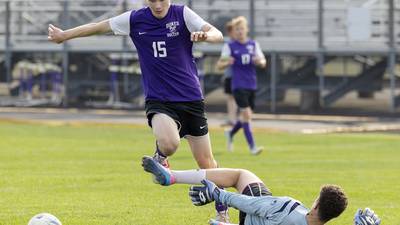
(259, 58)
(119, 25)
(223, 63)
(257, 206)
(225, 60)
(212, 34)
(209, 192)
(200, 30)
(58, 35)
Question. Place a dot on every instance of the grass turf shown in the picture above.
(91, 174)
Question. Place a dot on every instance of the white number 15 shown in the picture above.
(160, 49)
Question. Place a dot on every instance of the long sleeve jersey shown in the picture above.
(267, 210)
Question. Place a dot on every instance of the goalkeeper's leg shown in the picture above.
(223, 177)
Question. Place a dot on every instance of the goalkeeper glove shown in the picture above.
(366, 217)
(202, 195)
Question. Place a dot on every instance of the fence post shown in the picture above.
(65, 52)
(273, 81)
(321, 48)
(392, 57)
(252, 19)
(8, 54)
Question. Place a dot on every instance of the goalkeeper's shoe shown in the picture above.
(161, 174)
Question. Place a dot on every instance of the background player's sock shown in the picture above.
(189, 176)
(249, 135)
(235, 128)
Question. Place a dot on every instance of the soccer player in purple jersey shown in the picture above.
(243, 54)
(163, 34)
(227, 81)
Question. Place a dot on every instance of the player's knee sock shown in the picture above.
(236, 128)
(220, 207)
(249, 135)
(189, 176)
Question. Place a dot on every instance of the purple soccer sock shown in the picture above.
(248, 134)
(236, 128)
(219, 207)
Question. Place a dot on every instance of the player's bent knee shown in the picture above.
(168, 146)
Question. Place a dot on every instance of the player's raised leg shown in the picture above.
(166, 132)
(223, 177)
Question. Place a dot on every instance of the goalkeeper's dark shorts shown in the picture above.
(256, 190)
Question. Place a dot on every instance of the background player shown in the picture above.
(260, 209)
(243, 54)
(163, 34)
(227, 82)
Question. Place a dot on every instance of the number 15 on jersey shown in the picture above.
(159, 48)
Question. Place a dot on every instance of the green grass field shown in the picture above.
(91, 174)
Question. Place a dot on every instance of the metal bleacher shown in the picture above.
(281, 25)
(316, 30)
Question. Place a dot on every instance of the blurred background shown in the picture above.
(324, 57)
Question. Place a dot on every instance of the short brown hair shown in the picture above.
(332, 202)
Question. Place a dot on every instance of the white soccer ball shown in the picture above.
(44, 219)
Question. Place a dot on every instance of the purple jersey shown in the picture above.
(243, 69)
(165, 52)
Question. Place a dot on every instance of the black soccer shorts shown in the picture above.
(244, 98)
(228, 85)
(189, 116)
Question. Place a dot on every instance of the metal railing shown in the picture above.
(307, 27)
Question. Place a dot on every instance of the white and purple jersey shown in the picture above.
(243, 69)
(165, 51)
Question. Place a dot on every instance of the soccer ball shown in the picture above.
(44, 219)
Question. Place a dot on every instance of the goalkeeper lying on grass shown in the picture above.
(256, 204)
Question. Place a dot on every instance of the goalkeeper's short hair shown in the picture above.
(332, 202)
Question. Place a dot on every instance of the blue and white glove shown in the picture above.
(366, 217)
(202, 195)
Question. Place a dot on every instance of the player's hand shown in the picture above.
(366, 217)
(55, 35)
(202, 195)
(198, 36)
(231, 60)
(258, 61)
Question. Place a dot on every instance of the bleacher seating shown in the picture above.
(279, 24)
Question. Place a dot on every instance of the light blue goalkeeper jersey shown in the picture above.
(267, 210)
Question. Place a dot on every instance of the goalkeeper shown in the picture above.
(256, 204)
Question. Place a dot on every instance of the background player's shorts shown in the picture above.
(255, 190)
(189, 116)
(228, 85)
(244, 98)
